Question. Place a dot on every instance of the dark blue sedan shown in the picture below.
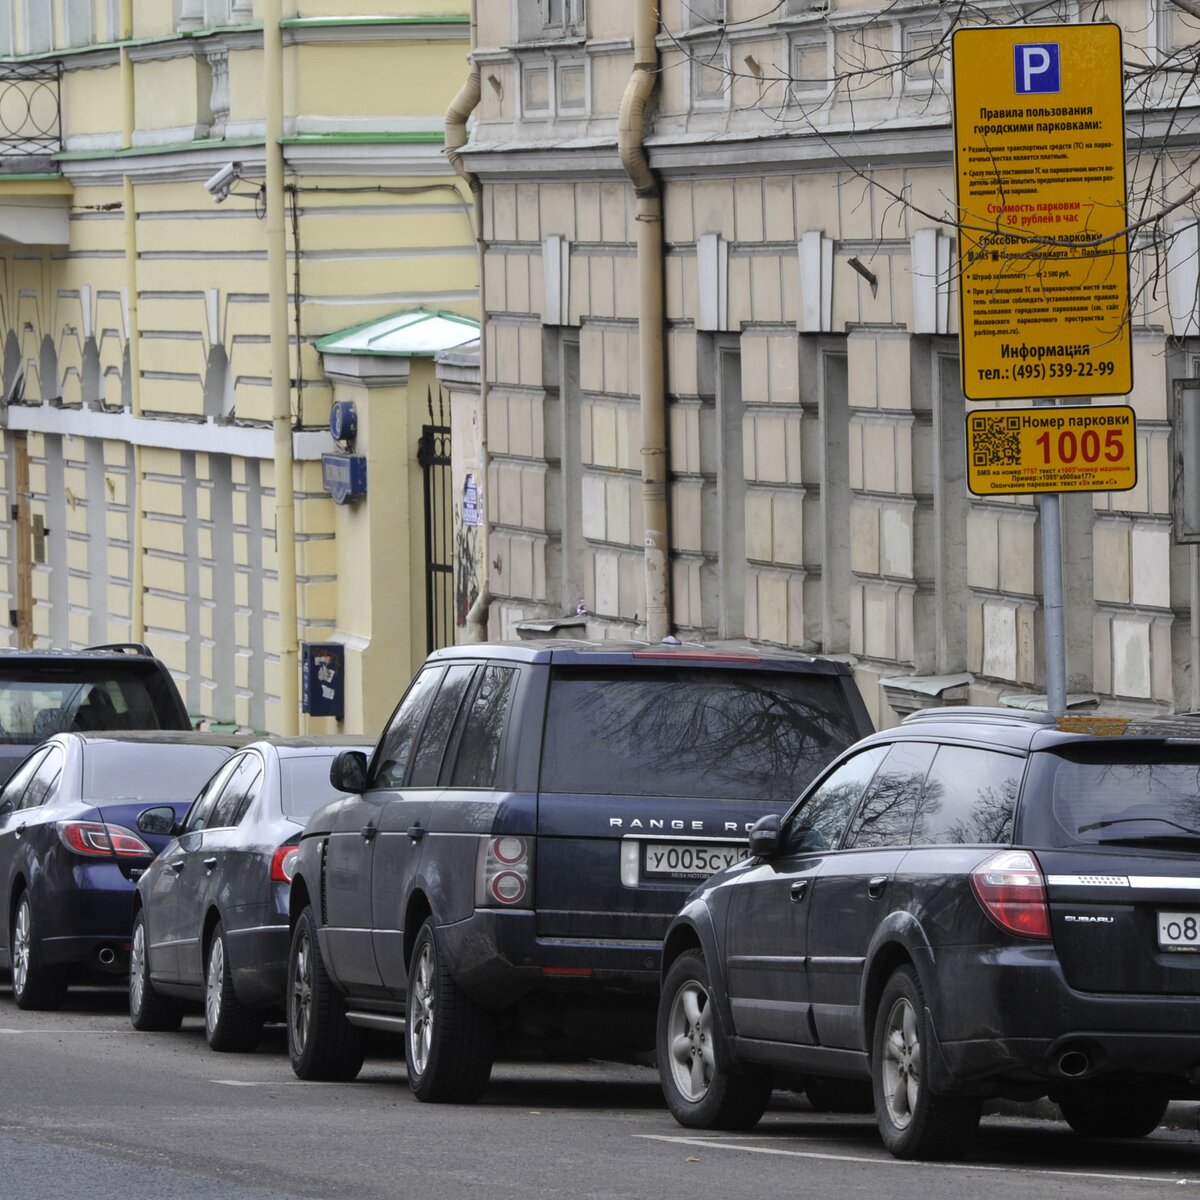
(211, 913)
(70, 851)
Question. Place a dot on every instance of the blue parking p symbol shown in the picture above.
(1036, 67)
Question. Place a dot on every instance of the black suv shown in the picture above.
(531, 819)
(120, 686)
(978, 903)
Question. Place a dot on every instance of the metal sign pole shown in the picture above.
(1052, 604)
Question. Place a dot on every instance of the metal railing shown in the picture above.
(30, 113)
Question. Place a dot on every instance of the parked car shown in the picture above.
(69, 852)
(210, 918)
(532, 817)
(43, 692)
(977, 903)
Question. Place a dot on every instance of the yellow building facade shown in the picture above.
(136, 289)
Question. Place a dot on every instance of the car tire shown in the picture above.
(450, 1041)
(322, 1044)
(829, 1095)
(35, 986)
(1098, 1112)
(228, 1023)
(913, 1121)
(704, 1088)
(149, 1010)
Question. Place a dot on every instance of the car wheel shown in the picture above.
(149, 1010)
(34, 984)
(228, 1024)
(450, 1041)
(913, 1122)
(322, 1044)
(1098, 1112)
(829, 1095)
(703, 1087)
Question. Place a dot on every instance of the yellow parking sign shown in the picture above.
(1039, 141)
(1077, 448)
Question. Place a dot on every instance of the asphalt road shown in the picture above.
(89, 1108)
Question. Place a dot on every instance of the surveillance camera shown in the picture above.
(220, 183)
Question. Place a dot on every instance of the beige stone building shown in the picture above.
(150, 341)
(814, 414)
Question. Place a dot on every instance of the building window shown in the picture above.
(812, 71)
(112, 12)
(39, 29)
(79, 22)
(699, 13)
(924, 58)
(545, 20)
(6, 27)
(1176, 30)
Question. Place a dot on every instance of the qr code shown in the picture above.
(996, 442)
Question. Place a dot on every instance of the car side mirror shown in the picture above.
(764, 836)
(7, 807)
(348, 771)
(159, 820)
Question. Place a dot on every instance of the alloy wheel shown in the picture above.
(137, 967)
(693, 1061)
(214, 983)
(420, 1027)
(302, 995)
(21, 945)
(902, 1063)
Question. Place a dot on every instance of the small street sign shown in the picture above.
(1039, 149)
(1078, 448)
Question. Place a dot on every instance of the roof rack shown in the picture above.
(979, 713)
(125, 648)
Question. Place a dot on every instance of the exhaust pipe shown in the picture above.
(1074, 1063)
(107, 956)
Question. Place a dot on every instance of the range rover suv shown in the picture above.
(511, 854)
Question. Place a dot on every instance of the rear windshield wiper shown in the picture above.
(1130, 820)
(1181, 841)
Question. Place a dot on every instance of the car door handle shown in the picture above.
(177, 864)
(20, 830)
(876, 886)
(368, 832)
(210, 863)
(416, 832)
(799, 890)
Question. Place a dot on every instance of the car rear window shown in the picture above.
(670, 731)
(305, 784)
(1092, 796)
(37, 701)
(139, 771)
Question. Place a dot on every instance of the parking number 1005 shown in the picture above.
(1086, 446)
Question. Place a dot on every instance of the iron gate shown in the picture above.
(433, 455)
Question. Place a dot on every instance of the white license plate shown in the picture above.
(683, 860)
(1179, 931)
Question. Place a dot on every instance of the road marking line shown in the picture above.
(56, 1032)
(730, 1144)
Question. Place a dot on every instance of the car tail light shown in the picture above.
(503, 872)
(1012, 891)
(283, 863)
(98, 840)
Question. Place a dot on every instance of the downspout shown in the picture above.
(137, 601)
(460, 109)
(648, 217)
(281, 389)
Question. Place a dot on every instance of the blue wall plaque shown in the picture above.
(344, 476)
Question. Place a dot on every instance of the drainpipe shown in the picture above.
(650, 317)
(460, 109)
(137, 602)
(281, 390)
